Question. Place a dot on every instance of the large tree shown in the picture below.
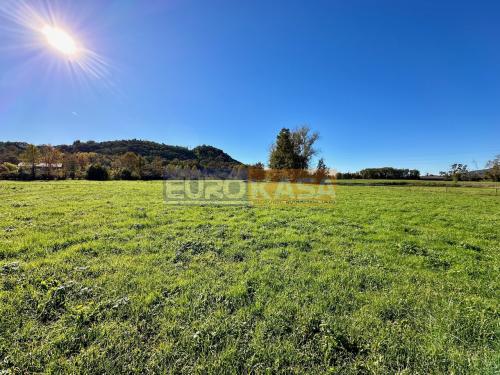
(303, 142)
(458, 172)
(293, 149)
(31, 156)
(283, 154)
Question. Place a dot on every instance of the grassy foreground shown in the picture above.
(105, 278)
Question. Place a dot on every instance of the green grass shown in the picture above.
(488, 185)
(106, 278)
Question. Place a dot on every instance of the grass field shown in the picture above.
(491, 185)
(105, 278)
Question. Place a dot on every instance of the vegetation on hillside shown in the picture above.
(126, 159)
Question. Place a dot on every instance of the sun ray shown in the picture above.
(43, 30)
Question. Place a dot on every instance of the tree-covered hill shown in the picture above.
(10, 151)
(202, 155)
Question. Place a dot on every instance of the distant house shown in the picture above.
(433, 177)
(41, 165)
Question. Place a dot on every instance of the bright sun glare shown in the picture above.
(60, 40)
(40, 26)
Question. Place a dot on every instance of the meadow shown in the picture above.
(104, 277)
(419, 183)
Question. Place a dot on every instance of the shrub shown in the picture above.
(127, 174)
(8, 171)
(97, 172)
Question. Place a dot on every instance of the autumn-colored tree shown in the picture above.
(83, 160)
(31, 156)
(256, 172)
(50, 157)
(321, 171)
(157, 168)
(70, 165)
(132, 162)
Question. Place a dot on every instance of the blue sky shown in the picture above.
(386, 83)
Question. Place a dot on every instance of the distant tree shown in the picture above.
(97, 172)
(186, 171)
(171, 172)
(348, 175)
(70, 165)
(140, 166)
(194, 173)
(132, 162)
(494, 168)
(321, 171)
(50, 157)
(389, 173)
(157, 167)
(414, 174)
(31, 156)
(256, 172)
(303, 141)
(152, 169)
(126, 174)
(458, 172)
(83, 159)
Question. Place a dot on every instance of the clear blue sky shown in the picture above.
(386, 83)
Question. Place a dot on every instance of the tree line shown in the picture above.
(294, 150)
(461, 172)
(384, 173)
(290, 157)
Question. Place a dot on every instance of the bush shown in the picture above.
(97, 172)
(8, 171)
(127, 174)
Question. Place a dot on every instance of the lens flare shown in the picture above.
(60, 40)
(52, 33)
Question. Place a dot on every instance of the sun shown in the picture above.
(60, 40)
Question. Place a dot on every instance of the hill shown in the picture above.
(480, 173)
(10, 151)
(203, 155)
